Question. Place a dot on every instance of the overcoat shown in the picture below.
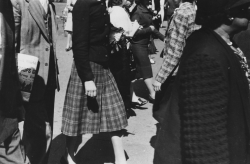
(11, 109)
(205, 46)
(32, 38)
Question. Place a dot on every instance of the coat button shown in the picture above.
(46, 64)
(46, 49)
(104, 14)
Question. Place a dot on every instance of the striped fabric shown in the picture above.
(82, 114)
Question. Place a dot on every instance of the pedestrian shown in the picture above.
(93, 103)
(180, 28)
(68, 24)
(11, 106)
(207, 116)
(139, 47)
(36, 33)
(119, 62)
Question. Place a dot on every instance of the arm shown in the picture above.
(142, 31)
(158, 35)
(175, 42)
(204, 97)
(81, 39)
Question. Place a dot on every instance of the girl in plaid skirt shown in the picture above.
(93, 103)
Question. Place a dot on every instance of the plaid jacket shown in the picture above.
(180, 28)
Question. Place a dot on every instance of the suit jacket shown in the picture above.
(91, 25)
(11, 109)
(206, 46)
(34, 37)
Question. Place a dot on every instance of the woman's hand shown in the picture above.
(156, 86)
(90, 88)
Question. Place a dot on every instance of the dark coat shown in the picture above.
(91, 25)
(210, 79)
(144, 18)
(171, 5)
(243, 41)
(11, 109)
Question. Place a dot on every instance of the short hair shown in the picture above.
(114, 3)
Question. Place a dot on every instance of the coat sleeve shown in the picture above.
(81, 39)
(158, 35)
(17, 18)
(142, 31)
(204, 97)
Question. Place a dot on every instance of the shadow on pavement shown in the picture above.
(95, 150)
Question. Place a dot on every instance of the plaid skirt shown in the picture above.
(83, 114)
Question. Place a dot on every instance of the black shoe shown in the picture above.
(68, 49)
(151, 100)
(139, 103)
(63, 160)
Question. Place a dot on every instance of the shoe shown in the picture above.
(68, 49)
(152, 61)
(63, 160)
(151, 99)
(139, 103)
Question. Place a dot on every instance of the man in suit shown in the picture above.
(36, 33)
(11, 108)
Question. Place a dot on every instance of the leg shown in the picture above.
(162, 11)
(148, 82)
(116, 138)
(134, 98)
(38, 127)
(69, 41)
(11, 150)
(71, 143)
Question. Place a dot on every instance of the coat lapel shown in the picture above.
(54, 26)
(240, 83)
(36, 12)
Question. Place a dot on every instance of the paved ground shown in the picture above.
(138, 142)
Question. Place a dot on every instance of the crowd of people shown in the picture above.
(200, 93)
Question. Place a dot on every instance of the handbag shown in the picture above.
(151, 47)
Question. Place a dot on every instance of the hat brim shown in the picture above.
(239, 3)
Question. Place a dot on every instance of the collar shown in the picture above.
(184, 6)
(223, 35)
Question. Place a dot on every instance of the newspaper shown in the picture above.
(27, 66)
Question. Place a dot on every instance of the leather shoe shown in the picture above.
(140, 102)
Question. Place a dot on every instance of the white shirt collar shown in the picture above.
(45, 5)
